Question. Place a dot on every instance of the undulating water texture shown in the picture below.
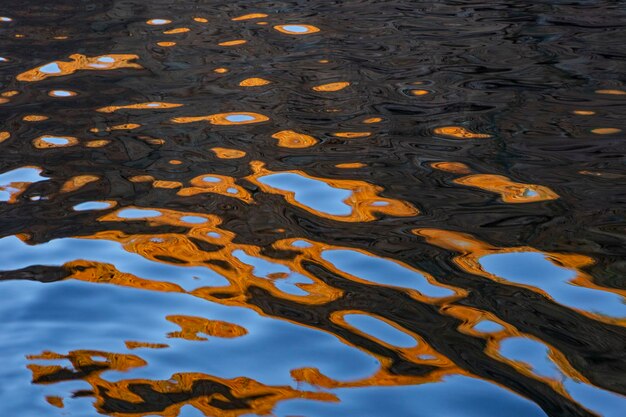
(302, 208)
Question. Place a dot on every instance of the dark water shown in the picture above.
(368, 208)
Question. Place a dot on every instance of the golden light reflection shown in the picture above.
(459, 132)
(97, 143)
(151, 105)
(80, 62)
(510, 191)
(176, 31)
(471, 250)
(605, 130)
(351, 165)
(249, 16)
(352, 135)
(330, 87)
(210, 395)
(191, 326)
(78, 182)
(226, 153)
(217, 184)
(612, 92)
(131, 344)
(291, 139)
(48, 141)
(34, 118)
(454, 167)
(127, 126)
(364, 200)
(297, 29)
(253, 82)
(233, 42)
(225, 119)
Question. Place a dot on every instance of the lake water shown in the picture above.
(309, 208)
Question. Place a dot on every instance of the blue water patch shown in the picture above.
(301, 244)
(380, 330)
(55, 140)
(209, 178)
(193, 219)
(382, 271)
(533, 268)
(488, 326)
(312, 193)
(138, 213)
(296, 28)
(61, 93)
(26, 174)
(454, 396)
(51, 68)
(262, 267)
(532, 352)
(238, 118)
(92, 205)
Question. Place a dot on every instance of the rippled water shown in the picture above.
(309, 208)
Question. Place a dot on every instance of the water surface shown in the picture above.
(289, 208)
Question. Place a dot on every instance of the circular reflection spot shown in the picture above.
(296, 29)
(157, 22)
(61, 93)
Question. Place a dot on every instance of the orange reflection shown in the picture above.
(34, 118)
(291, 139)
(226, 153)
(233, 42)
(459, 132)
(97, 143)
(212, 396)
(605, 130)
(4, 136)
(130, 344)
(454, 167)
(352, 135)
(250, 16)
(331, 86)
(351, 165)
(176, 31)
(191, 326)
(510, 191)
(253, 82)
(127, 126)
(217, 184)
(297, 29)
(471, 250)
(364, 200)
(77, 182)
(48, 141)
(612, 92)
(80, 62)
(224, 119)
(151, 105)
